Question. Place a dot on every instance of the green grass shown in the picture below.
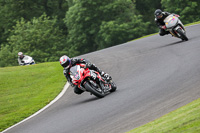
(183, 120)
(26, 89)
(198, 22)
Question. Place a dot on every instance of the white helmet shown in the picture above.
(20, 54)
(65, 61)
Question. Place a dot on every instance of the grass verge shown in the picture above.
(185, 119)
(26, 89)
(198, 22)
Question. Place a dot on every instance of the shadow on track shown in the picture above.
(89, 100)
(170, 44)
(79, 103)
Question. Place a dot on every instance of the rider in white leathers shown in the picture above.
(21, 58)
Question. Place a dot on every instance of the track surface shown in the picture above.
(155, 75)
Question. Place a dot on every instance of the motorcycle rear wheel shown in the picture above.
(98, 92)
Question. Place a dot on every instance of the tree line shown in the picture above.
(47, 29)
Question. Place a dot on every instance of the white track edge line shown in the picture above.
(52, 102)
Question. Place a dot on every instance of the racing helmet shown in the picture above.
(158, 14)
(20, 54)
(65, 61)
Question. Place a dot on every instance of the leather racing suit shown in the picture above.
(160, 23)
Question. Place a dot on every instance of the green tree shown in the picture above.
(113, 32)
(12, 11)
(83, 21)
(187, 9)
(39, 38)
(121, 25)
(94, 25)
(7, 56)
(146, 8)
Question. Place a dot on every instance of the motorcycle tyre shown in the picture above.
(89, 88)
(113, 85)
(183, 36)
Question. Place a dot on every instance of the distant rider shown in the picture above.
(159, 20)
(21, 56)
(67, 63)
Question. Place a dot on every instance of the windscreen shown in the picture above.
(74, 71)
(27, 59)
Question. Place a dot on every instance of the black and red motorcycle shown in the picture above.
(91, 81)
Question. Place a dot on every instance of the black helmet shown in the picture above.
(158, 14)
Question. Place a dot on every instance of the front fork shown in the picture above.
(103, 83)
(175, 33)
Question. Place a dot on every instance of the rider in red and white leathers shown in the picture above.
(67, 63)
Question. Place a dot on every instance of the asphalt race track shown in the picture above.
(154, 75)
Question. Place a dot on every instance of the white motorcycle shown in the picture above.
(175, 27)
(27, 60)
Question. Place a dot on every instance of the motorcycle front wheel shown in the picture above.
(97, 91)
(113, 85)
(183, 36)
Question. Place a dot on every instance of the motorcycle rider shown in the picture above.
(67, 63)
(159, 20)
(21, 57)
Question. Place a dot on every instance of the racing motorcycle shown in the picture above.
(175, 27)
(27, 60)
(91, 81)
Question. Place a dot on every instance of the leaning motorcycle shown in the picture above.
(27, 60)
(91, 81)
(175, 27)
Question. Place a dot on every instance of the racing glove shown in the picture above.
(88, 65)
(163, 27)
